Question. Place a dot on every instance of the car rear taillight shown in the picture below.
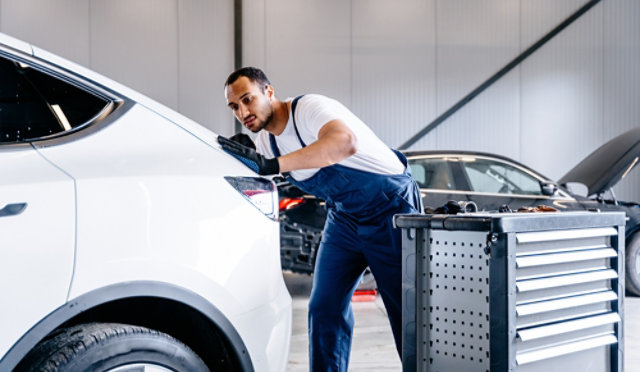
(262, 193)
(288, 203)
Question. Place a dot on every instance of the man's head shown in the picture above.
(249, 95)
(254, 74)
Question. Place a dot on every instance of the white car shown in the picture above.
(129, 240)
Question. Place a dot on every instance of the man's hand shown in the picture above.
(244, 140)
(257, 162)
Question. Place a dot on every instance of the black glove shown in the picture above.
(257, 162)
(244, 140)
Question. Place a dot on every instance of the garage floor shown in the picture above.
(373, 348)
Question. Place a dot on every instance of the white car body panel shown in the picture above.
(270, 326)
(37, 250)
(153, 206)
(131, 169)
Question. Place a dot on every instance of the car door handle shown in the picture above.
(12, 209)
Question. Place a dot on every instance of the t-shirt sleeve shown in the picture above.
(313, 112)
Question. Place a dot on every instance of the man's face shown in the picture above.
(249, 103)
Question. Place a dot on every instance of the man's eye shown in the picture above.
(247, 100)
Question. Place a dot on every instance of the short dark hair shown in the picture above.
(254, 74)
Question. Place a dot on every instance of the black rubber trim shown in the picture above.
(119, 292)
(466, 99)
(119, 109)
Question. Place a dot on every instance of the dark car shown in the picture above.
(493, 183)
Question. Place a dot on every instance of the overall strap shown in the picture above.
(294, 103)
(274, 145)
(272, 138)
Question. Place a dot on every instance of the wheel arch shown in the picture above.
(630, 262)
(147, 304)
(630, 232)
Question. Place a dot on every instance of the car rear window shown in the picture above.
(36, 105)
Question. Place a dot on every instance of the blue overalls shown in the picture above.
(358, 232)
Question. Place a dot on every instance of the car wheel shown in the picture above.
(111, 347)
(632, 267)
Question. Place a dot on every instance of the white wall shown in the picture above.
(399, 64)
(178, 52)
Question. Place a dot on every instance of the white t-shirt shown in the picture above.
(313, 111)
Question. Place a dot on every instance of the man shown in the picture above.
(328, 152)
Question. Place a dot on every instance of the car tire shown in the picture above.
(632, 265)
(111, 347)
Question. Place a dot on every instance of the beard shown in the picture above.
(265, 123)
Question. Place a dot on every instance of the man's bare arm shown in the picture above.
(335, 142)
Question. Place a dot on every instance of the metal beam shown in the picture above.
(444, 116)
(237, 45)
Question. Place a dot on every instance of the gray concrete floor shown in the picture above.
(373, 348)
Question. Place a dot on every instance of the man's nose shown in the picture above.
(243, 111)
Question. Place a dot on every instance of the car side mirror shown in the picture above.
(548, 188)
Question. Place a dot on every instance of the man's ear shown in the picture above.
(269, 91)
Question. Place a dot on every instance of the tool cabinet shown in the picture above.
(513, 292)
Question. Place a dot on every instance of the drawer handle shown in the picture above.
(568, 326)
(563, 349)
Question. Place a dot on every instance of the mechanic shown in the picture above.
(325, 150)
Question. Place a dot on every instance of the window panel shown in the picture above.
(431, 173)
(35, 105)
(497, 177)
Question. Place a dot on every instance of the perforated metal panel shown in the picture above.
(513, 292)
(455, 303)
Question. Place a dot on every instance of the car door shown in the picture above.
(488, 181)
(37, 209)
(439, 178)
(37, 225)
(493, 182)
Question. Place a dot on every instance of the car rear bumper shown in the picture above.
(266, 331)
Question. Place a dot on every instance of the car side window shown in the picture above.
(431, 173)
(497, 177)
(36, 105)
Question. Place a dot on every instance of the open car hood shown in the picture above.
(608, 164)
